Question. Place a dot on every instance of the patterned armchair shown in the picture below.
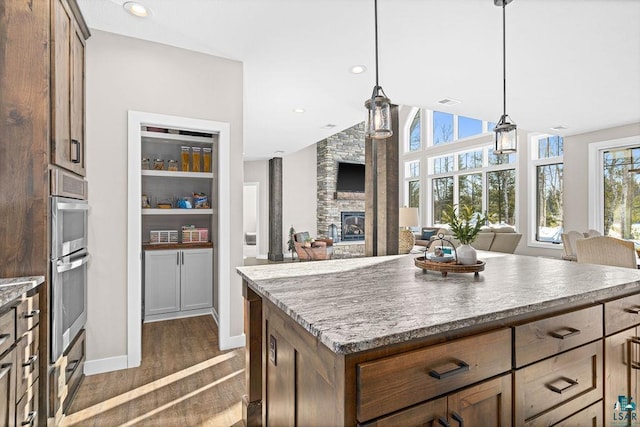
(317, 250)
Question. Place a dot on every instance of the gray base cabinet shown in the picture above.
(177, 281)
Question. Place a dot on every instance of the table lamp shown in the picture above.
(408, 217)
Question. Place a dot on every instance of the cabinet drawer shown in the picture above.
(27, 362)
(27, 407)
(74, 368)
(7, 330)
(591, 416)
(398, 381)
(551, 390)
(425, 414)
(621, 314)
(543, 338)
(27, 314)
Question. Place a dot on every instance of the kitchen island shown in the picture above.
(376, 341)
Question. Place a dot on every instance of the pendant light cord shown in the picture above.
(375, 14)
(504, 61)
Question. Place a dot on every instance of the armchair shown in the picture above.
(320, 249)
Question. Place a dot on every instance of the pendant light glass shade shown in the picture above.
(506, 130)
(378, 125)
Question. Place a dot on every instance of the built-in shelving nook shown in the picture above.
(178, 237)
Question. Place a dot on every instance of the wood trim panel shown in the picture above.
(252, 401)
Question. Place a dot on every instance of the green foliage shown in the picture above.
(461, 223)
(290, 244)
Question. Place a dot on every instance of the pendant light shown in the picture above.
(378, 106)
(506, 130)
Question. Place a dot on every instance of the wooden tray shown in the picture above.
(448, 267)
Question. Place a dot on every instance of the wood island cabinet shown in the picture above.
(554, 368)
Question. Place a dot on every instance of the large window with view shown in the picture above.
(549, 168)
(415, 133)
(480, 179)
(621, 196)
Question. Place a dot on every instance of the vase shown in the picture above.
(467, 255)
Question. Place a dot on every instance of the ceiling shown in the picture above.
(574, 63)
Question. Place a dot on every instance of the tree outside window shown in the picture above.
(442, 127)
(415, 139)
(442, 197)
(501, 197)
(622, 193)
(549, 183)
(414, 194)
(470, 191)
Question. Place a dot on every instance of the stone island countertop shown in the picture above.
(354, 305)
(12, 288)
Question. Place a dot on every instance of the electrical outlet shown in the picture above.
(273, 350)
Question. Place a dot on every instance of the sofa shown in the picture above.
(496, 239)
(318, 249)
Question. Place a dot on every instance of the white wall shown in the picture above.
(258, 171)
(129, 74)
(299, 193)
(249, 206)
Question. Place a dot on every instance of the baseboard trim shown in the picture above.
(109, 364)
(176, 315)
(216, 319)
(228, 343)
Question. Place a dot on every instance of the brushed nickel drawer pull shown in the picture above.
(565, 333)
(4, 369)
(75, 154)
(457, 417)
(633, 363)
(31, 360)
(633, 310)
(30, 418)
(572, 383)
(462, 367)
(443, 422)
(32, 314)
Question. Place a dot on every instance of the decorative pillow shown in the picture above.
(426, 234)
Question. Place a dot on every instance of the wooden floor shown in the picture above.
(184, 380)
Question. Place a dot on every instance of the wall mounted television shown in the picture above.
(350, 177)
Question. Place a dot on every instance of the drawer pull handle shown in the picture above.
(72, 366)
(565, 333)
(4, 338)
(31, 360)
(571, 384)
(443, 422)
(457, 417)
(33, 313)
(4, 369)
(75, 154)
(462, 367)
(633, 363)
(30, 418)
(633, 310)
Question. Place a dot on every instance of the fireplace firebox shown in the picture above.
(352, 226)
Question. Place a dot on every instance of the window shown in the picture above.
(468, 127)
(621, 196)
(548, 203)
(442, 197)
(501, 189)
(443, 164)
(442, 127)
(414, 194)
(415, 140)
(470, 160)
(470, 191)
(412, 169)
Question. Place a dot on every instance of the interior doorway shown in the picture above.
(250, 215)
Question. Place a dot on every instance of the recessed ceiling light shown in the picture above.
(298, 110)
(136, 9)
(358, 69)
(559, 127)
(328, 126)
(278, 153)
(449, 101)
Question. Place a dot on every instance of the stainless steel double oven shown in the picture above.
(69, 258)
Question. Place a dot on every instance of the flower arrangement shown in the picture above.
(464, 225)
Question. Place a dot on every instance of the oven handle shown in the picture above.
(64, 206)
(61, 267)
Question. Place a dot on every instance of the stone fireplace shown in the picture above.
(348, 147)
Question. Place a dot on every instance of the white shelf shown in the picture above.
(176, 174)
(172, 138)
(177, 211)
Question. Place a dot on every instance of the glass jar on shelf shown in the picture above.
(206, 159)
(146, 165)
(195, 157)
(158, 164)
(184, 157)
(172, 165)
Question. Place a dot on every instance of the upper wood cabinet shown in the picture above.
(68, 142)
